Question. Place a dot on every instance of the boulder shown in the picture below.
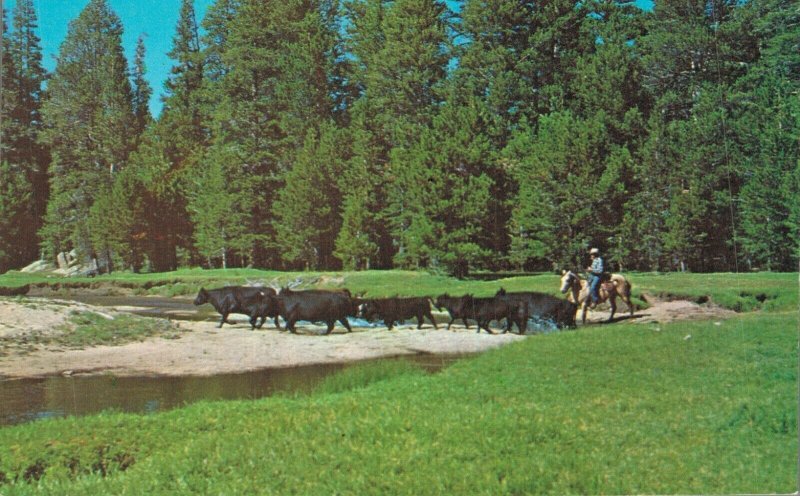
(37, 266)
(62, 261)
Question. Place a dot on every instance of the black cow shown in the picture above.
(239, 299)
(544, 306)
(392, 310)
(316, 305)
(261, 305)
(454, 306)
(485, 310)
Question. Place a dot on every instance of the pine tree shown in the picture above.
(364, 241)
(90, 126)
(15, 189)
(569, 185)
(182, 114)
(11, 130)
(15, 195)
(141, 89)
(692, 53)
(24, 53)
(518, 60)
(217, 25)
(274, 91)
(443, 198)
(768, 124)
(357, 243)
(118, 215)
(172, 148)
(307, 209)
(217, 213)
(399, 70)
(355, 246)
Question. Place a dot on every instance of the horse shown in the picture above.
(608, 290)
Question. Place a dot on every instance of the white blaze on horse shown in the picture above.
(609, 290)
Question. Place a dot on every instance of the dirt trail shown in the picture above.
(202, 349)
(661, 310)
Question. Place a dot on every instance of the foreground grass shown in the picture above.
(693, 408)
(740, 292)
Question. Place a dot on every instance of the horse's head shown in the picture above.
(568, 278)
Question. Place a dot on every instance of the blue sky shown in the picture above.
(154, 18)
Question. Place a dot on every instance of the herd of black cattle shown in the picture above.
(329, 306)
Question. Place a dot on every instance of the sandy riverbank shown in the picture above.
(200, 348)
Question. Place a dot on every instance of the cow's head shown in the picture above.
(368, 310)
(202, 297)
(441, 301)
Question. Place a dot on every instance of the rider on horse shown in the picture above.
(595, 274)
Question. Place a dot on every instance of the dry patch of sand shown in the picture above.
(21, 317)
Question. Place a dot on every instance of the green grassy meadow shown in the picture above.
(692, 407)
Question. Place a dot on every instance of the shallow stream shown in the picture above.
(23, 400)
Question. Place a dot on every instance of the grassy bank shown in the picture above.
(740, 292)
(693, 407)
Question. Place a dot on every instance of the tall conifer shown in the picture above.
(141, 89)
(15, 188)
(24, 53)
(90, 126)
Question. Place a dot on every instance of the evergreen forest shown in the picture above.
(449, 136)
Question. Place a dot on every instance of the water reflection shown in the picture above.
(32, 399)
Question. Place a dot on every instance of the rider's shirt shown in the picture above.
(597, 266)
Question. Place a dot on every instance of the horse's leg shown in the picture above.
(627, 299)
(584, 306)
(612, 300)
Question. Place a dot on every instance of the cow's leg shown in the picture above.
(253, 321)
(226, 311)
(223, 320)
(466, 323)
(525, 316)
(346, 324)
(389, 323)
(330, 324)
(450, 323)
(277, 325)
(420, 320)
(290, 325)
(430, 317)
